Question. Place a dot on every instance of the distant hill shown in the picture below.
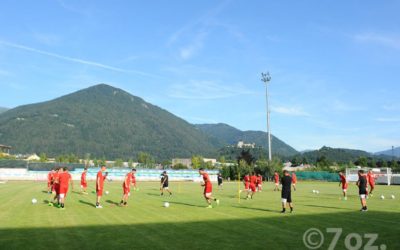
(103, 121)
(2, 109)
(396, 152)
(228, 135)
(338, 155)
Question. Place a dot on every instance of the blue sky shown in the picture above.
(335, 64)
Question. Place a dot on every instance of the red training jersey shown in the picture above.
(343, 179)
(259, 179)
(371, 178)
(133, 178)
(128, 179)
(294, 178)
(64, 179)
(49, 176)
(276, 177)
(246, 179)
(253, 180)
(83, 178)
(100, 180)
(56, 177)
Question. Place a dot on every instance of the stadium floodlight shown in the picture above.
(266, 78)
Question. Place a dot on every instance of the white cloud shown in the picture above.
(191, 49)
(392, 41)
(292, 111)
(206, 90)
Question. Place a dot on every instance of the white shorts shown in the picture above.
(276, 184)
(284, 200)
(165, 188)
(62, 196)
(363, 196)
(344, 190)
(208, 195)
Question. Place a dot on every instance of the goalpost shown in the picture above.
(383, 175)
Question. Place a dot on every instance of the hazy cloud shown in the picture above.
(392, 41)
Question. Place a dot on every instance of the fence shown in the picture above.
(320, 176)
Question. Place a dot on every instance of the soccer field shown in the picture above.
(187, 224)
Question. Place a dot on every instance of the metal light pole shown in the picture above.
(266, 78)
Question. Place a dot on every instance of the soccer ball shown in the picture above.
(107, 192)
(382, 197)
(166, 204)
(317, 192)
(393, 196)
(34, 201)
(314, 191)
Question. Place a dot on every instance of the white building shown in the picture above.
(241, 144)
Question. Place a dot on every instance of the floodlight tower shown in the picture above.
(266, 78)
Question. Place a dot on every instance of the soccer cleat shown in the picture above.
(99, 206)
(217, 201)
(51, 204)
(209, 206)
(345, 198)
(283, 211)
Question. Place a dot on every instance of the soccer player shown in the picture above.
(101, 176)
(219, 181)
(207, 188)
(246, 182)
(344, 183)
(371, 181)
(65, 179)
(252, 187)
(126, 186)
(56, 187)
(294, 180)
(165, 183)
(362, 189)
(84, 181)
(286, 191)
(50, 181)
(259, 182)
(276, 179)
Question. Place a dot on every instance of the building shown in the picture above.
(241, 144)
(5, 149)
(33, 157)
(213, 161)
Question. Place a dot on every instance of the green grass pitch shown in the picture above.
(187, 224)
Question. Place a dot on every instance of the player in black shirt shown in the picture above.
(164, 183)
(219, 181)
(362, 190)
(286, 182)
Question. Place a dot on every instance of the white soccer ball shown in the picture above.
(382, 197)
(34, 201)
(107, 192)
(166, 204)
(393, 196)
(317, 192)
(314, 191)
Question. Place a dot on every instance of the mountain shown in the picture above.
(103, 121)
(338, 155)
(396, 152)
(228, 135)
(2, 109)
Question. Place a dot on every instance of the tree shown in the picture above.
(222, 160)
(361, 161)
(118, 163)
(43, 157)
(130, 163)
(246, 156)
(197, 162)
(179, 166)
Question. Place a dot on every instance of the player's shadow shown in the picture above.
(258, 209)
(342, 208)
(45, 192)
(185, 204)
(87, 203)
(76, 192)
(46, 201)
(112, 202)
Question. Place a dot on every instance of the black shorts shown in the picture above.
(287, 196)
(219, 183)
(362, 191)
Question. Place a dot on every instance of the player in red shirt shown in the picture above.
(371, 181)
(294, 180)
(246, 182)
(65, 179)
(207, 188)
(50, 181)
(344, 183)
(101, 176)
(55, 189)
(259, 182)
(253, 183)
(276, 180)
(84, 181)
(126, 187)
